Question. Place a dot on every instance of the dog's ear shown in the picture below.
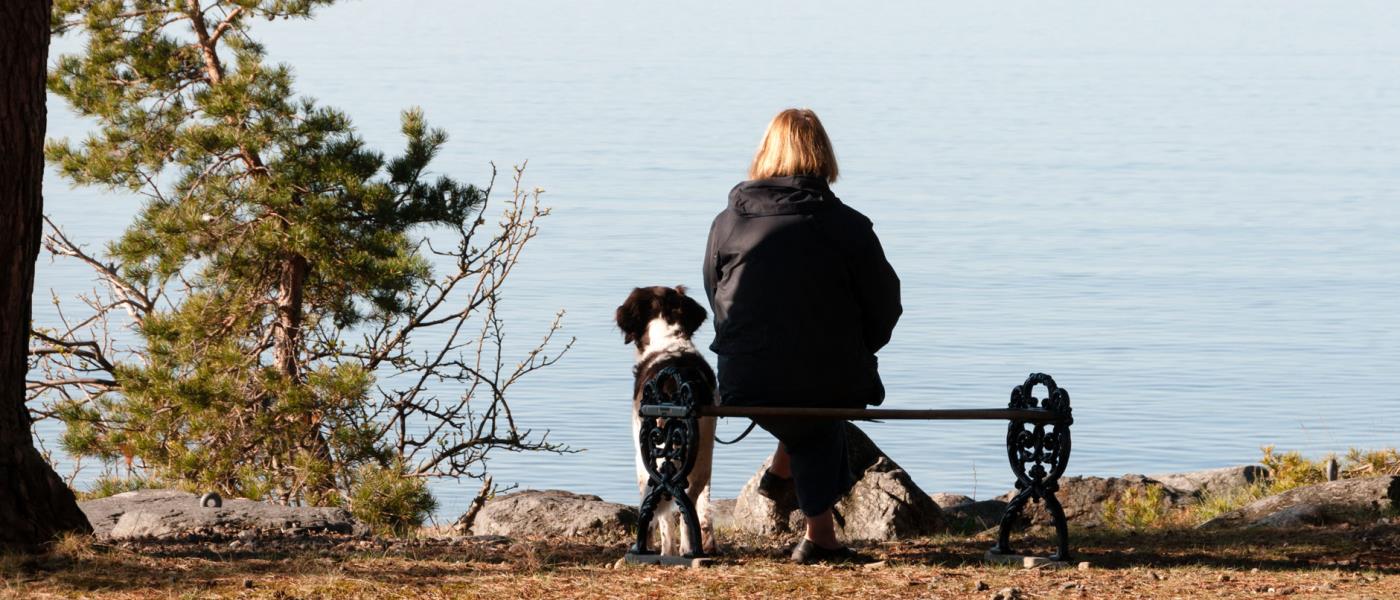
(687, 312)
(633, 316)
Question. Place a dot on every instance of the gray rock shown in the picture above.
(165, 514)
(1083, 498)
(722, 513)
(884, 504)
(754, 513)
(1010, 593)
(1294, 516)
(141, 524)
(104, 513)
(946, 501)
(962, 513)
(553, 513)
(1346, 500)
(1220, 481)
(975, 516)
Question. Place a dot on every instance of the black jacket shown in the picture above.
(802, 297)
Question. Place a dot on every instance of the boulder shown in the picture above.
(170, 514)
(884, 503)
(946, 501)
(975, 516)
(554, 513)
(755, 513)
(722, 513)
(1345, 500)
(964, 514)
(1083, 498)
(1220, 481)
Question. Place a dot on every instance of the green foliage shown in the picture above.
(110, 485)
(389, 499)
(275, 274)
(1291, 470)
(1210, 504)
(1287, 471)
(1369, 463)
(1135, 511)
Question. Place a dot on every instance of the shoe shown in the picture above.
(780, 490)
(807, 553)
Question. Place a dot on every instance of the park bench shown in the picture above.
(1037, 444)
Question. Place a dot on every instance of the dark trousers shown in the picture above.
(820, 469)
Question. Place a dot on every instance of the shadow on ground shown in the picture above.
(1375, 548)
(84, 567)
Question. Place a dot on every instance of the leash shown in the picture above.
(741, 436)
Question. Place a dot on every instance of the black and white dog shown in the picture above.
(660, 321)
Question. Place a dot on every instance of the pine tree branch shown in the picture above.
(138, 302)
(214, 69)
(224, 25)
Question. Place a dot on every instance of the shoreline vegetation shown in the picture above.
(1149, 508)
(1146, 541)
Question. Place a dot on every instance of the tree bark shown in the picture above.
(287, 341)
(35, 504)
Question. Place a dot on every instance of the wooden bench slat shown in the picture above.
(1031, 415)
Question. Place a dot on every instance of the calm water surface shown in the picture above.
(1188, 213)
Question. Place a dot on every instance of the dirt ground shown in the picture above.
(1309, 563)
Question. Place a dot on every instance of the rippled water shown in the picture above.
(1189, 213)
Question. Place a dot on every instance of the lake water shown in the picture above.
(1187, 212)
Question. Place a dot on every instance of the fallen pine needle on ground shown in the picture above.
(1359, 562)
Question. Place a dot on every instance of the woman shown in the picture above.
(802, 298)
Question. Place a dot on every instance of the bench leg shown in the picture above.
(1009, 517)
(651, 500)
(1057, 515)
(1039, 454)
(669, 449)
(646, 511)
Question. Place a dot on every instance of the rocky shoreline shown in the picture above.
(885, 505)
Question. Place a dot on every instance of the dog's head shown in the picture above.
(645, 304)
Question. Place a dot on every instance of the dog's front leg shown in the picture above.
(707, 531)
(666, 519)
(700, 484)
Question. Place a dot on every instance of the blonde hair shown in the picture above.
(795, 144)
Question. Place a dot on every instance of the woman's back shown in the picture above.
(802, 296)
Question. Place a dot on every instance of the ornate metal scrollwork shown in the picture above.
(1039, 453)
(670, 444)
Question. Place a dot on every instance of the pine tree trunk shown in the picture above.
(287, 343)
(291, 282)
(35, 504)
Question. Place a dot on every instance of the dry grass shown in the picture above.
(1344, 563)
(1149, 509)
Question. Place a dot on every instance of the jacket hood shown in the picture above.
(796, 194)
